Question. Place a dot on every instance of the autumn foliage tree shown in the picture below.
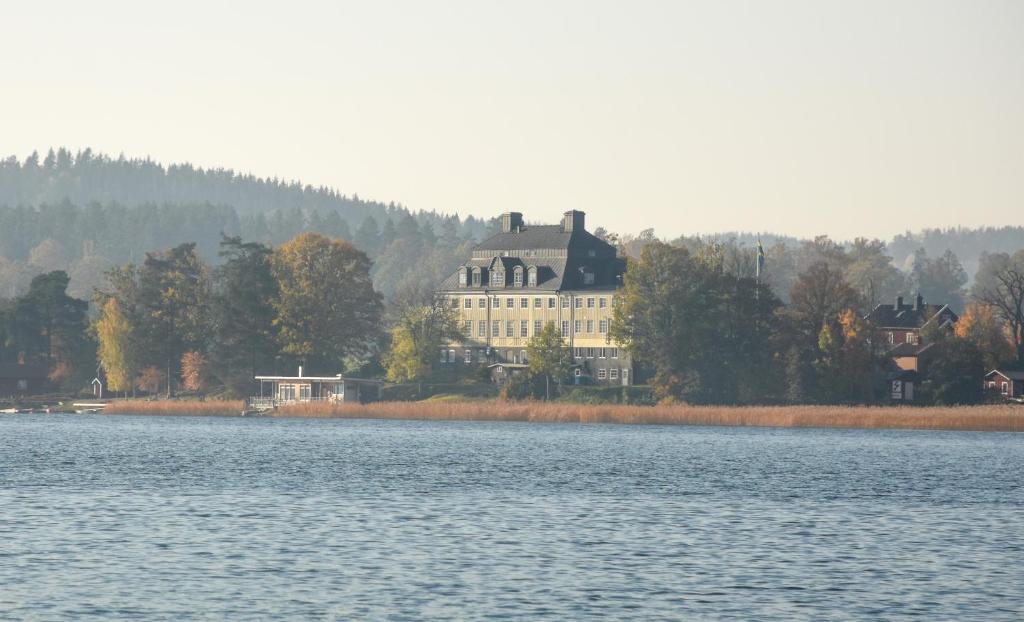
(421, 329)
(194, 371)
(117, 349)
(327, 308)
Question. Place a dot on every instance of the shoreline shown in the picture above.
(985, 418)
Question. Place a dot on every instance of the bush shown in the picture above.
(639, 395)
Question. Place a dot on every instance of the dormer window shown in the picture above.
(588, 278)
(498, 278)
(531, 277)
(517, 276)
(476, 277)
(463, 280)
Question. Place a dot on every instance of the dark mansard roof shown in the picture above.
(561, 254)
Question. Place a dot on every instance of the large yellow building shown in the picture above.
(527, 276)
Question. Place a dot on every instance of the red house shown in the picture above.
(898, 328)
(1008, 383)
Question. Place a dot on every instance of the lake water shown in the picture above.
(198, 518)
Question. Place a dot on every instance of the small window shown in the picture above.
(23, 385)
(551, 303)
(444, 355)
(522, 356)
(590, 326)
(588, 278)
(591, 253)
(578, 327)
(613, 353)
(532, 277)
(613, 373)
(451, 356)
(536, 327)
(496, 302)
(468, 356)
(510, 328)
(579, 303)
(537, 303)
(577, 353)
(602, 302)
(510, 303)
(625, 376)
(467, 303)
(1006, 388)
(524, 328)
(590, 353)
(910, 337)
(517, 277)
(482, 328)
(482, 303)
(524, 303)
(565, 328)
(577, 372)
(603, 326)
(602, 373)
(462, 277)
(590, 303)
(476, 277)
(892, 337)
(496, 328)
(601, 353)
(498, 279)
(565, 302)
(467, 327)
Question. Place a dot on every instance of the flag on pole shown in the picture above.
(760, 258)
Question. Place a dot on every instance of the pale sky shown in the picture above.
(799, 117)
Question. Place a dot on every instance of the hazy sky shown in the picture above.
(847, 118)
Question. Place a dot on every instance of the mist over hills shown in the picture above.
(84, 212)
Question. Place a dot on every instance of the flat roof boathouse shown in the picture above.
(278, 390)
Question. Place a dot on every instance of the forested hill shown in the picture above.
(86, 177)
(85, 212)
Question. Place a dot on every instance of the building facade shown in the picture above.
(528, 276)
(897, 327)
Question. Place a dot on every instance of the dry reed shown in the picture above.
(208, 408)
(1005, 418)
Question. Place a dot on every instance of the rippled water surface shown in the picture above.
(199, 518)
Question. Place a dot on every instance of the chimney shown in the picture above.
(899, 303)
(918, 302)
(300, 371)
(573, 220)
(511, 222)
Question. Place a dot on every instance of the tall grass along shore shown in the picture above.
(996, 418)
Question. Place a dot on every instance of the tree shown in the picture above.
(117, 350)
(1000, 284)
(980, 325)
(871, 273)
(242, 314)
(706, 333)
(421, 329)
(327, 309)
(548, 356)
(194, 371)
(955, 372)
(149, 379)
(51, 327)
(940, 280)
(173, 292)
(819, 295)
